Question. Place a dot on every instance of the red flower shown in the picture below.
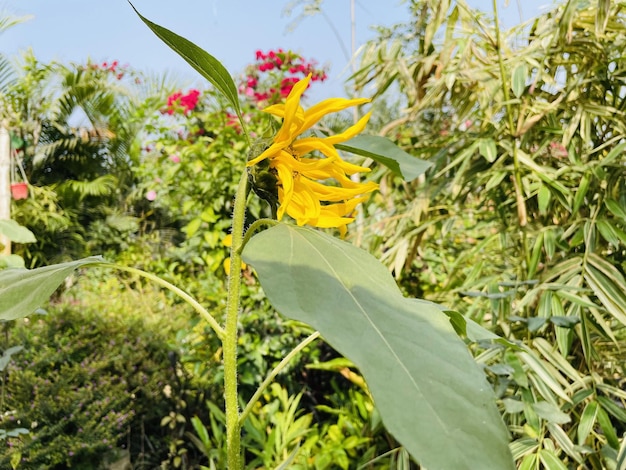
(188, 102)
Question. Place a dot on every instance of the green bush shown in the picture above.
(92, 382)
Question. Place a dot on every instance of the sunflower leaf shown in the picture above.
(384, 151)
(431, 394)
(203, 62)
(24, 290)
(16, 232)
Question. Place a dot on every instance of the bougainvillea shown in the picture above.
(271, 77)
(186, 103)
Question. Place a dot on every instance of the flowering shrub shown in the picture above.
(187, 103)
(109, 68)
(271, 77)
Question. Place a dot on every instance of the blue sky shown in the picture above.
(231, 30)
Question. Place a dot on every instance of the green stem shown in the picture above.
(229, 343)
(517, 175)
(303, 344)
(181, 293)
(254, 227)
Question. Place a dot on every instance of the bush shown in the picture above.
(91, 382)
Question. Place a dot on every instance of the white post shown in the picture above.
(5, 184)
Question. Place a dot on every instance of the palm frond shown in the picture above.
(103, 186)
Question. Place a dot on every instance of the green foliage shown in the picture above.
(190, 168)
(518, 225)
(23, 290)
(76, 128)
(204, 63)
(320, 281)
(89, 386)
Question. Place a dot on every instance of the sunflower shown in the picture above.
(313, 189)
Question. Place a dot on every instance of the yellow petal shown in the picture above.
(309, 144)
(292, 125)
(331, 105)
(285, 177)
(335, 193)
(350, 132)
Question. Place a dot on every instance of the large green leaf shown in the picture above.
(16, 232)
(382, 150)
(22, 291)
(203, 62)
(430, 392)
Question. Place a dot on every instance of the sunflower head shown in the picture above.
(262, 178)
(303, 174)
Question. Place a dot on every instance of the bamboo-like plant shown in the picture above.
(431, 395)
(520, 224)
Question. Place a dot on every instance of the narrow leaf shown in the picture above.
(22, 291)
(615, 153)
(581, 192)
(563, 440)
(384, 151)
(428, 389)
(487, 148)
(551, 461)
(518, 80)
(607, 428)
(543, 374)
(529, 462)
(616, 209)
(203, 62)
(587, 421)
(550, 412)
(602, 16)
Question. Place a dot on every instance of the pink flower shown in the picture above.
(188, 102)
(175, 158)
(151, 195)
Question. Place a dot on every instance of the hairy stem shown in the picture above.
(229, 343)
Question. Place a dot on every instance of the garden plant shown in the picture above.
(430, 393)
(431, 278)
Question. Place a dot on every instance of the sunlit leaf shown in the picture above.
(203, 62)
(543, 198)
(11, 261)
(551, 461)
(551, 413)
(602, 16)
(487, 148)
(529, 462)
(563, 440)
(608, 285)
(586, 422)
(523, 446)
(16, 232)
(384, 151)
(519, 79)
(417, 368)
(543, 374)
